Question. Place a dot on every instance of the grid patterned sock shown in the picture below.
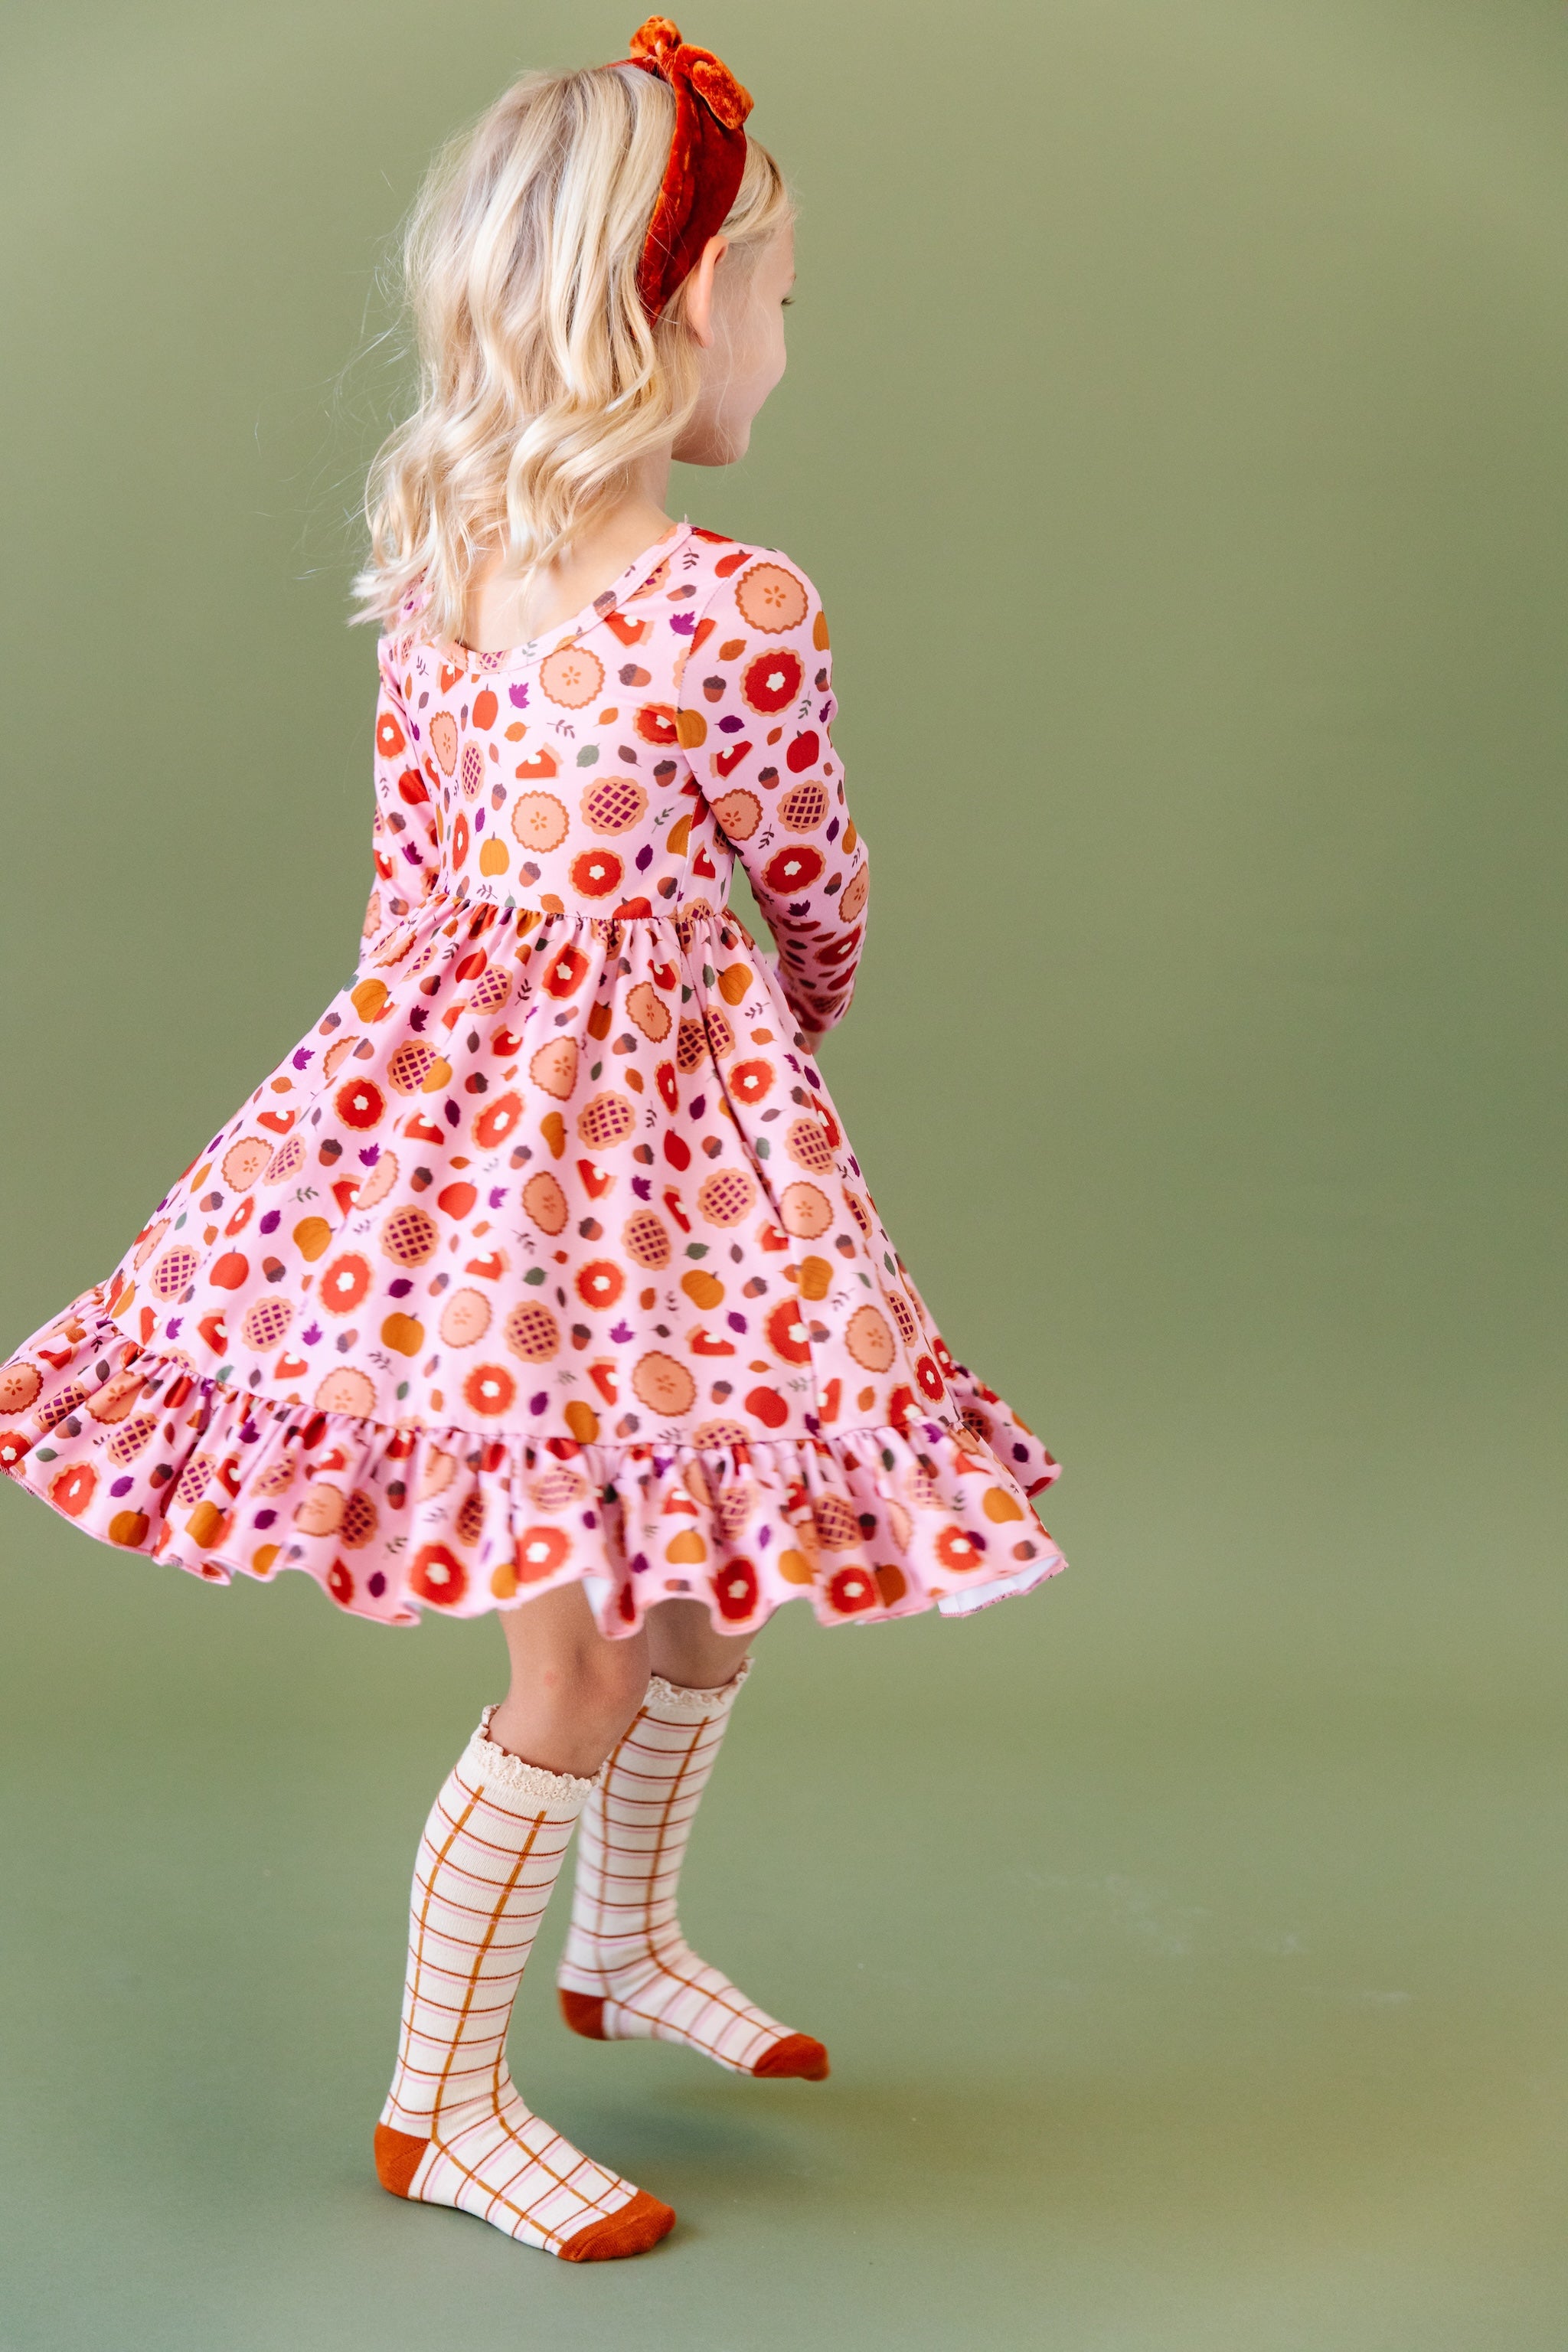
(627, 1972)
(454, 2130)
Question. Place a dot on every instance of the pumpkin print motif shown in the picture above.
(542, 1257)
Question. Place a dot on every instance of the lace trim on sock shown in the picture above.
(674, 1704)
(519, 1783)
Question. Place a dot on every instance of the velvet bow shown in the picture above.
(707, 156)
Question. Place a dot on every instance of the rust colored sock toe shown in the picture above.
(632, 2231)
(397, 2156)
(797, 2054)
(585, 2013)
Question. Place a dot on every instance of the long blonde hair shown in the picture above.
(540, 378)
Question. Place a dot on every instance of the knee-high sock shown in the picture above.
(454, 2130)
(627, 1973)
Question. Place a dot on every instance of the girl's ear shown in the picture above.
(698, 309)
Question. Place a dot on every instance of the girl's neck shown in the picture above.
(502, 613)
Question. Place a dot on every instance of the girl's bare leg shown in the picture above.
(683, 1647)
(572, 1693)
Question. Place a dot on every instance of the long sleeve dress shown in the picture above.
(543, 1256)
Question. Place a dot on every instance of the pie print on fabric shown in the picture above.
(542, 1257)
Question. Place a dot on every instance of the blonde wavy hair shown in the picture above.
(540, 378)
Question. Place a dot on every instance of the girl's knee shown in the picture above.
(573, 1691)
(614, 1680)
(596, 1682)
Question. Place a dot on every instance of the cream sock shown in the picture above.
(627, 1972)
(454, 2130)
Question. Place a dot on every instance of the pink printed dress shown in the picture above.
(543, 1256)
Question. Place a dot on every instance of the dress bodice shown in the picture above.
(613, 767)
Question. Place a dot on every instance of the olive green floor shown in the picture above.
(1174, 426)
(1210, 2008)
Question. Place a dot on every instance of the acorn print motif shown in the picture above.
(543, 1257)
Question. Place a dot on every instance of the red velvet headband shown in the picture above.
(707, 156)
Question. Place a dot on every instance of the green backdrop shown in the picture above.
(1175, 428)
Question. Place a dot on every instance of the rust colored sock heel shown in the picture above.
(632, 2231)
(797, 2054)
(397, 2156)
(585, 2013)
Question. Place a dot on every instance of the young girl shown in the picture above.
(540, 1277)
